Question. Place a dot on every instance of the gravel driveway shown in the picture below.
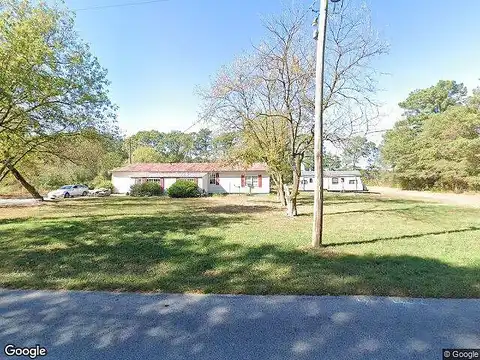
(19, 202)
(469, 200)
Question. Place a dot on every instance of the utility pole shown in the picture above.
(318, 139)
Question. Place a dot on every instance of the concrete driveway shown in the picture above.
(84, 325)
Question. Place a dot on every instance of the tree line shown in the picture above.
(436, 145)
(89, 159)
(177, 146)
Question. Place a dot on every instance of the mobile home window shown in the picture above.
(252, 181)
(352, 182)
(335, 180)
(212, 178)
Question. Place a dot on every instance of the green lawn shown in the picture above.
(239, 244)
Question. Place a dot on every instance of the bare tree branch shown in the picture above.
(269, 93)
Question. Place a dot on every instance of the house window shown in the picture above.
(212, 178)
(191, 179)
(352, 182)
(311, 180)
(156, 180)
(138, 180)
(335, 180)
(252, 181)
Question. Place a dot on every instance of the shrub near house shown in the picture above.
(146, 189)
(183, 189)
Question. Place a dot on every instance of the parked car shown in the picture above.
(68, 191)
(99, 192)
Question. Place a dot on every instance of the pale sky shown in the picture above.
(157, 53)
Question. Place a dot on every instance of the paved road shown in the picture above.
(470, 200)
(83, 325)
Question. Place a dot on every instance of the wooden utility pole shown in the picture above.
(318, 140)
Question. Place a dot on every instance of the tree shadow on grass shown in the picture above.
(81, 213)
(343, 199)
(415, 212)
(400, 237)
(111, 202)
(237, 209)
(365, 211)
(170, 253)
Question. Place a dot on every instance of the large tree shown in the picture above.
(177, 146)
(224, 143)
(276, 81)
(355, 150)
(435, 99)
(51, 87)
(174, 146)
(437, 147)
(267, 140)
(146, 154)
(203, 149)
(81, 159)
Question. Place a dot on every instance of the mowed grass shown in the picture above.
(239, 244)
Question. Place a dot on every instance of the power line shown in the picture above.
(120, 5)
(191, 126)
(378, 131)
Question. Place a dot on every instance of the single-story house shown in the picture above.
(334, 181)
(212, 178)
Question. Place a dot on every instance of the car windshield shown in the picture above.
(66, 187)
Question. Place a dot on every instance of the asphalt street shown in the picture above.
(100, 325)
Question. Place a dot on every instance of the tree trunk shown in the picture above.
(291, 196)
(277, 179)
(3, 172)
(24, 182)
(291, 202)
(281, 193)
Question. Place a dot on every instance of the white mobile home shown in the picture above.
(211, 178)
(334, 181)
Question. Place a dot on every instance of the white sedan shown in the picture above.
(99, 192)
(68, 191)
